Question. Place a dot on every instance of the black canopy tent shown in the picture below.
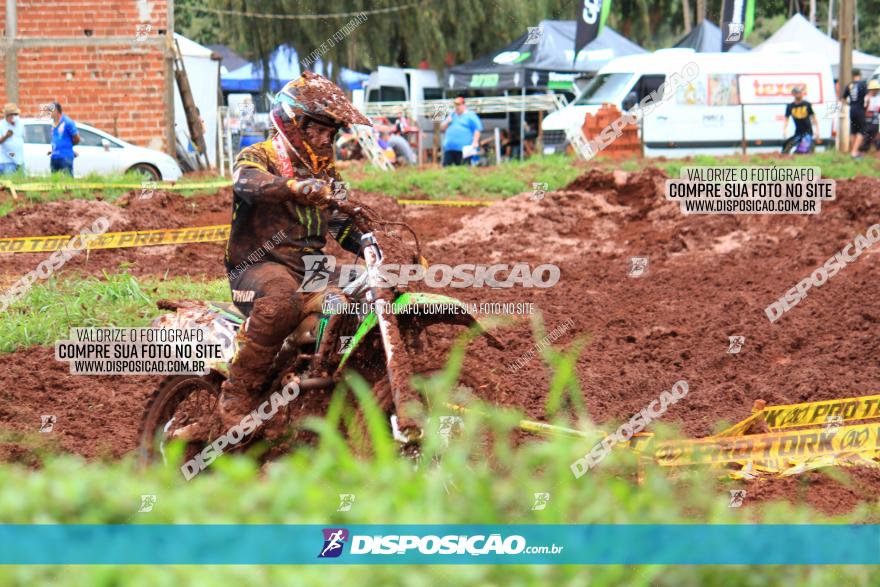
(706, 38)
(543, 60)
(539, 61)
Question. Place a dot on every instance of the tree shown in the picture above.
(443, 32)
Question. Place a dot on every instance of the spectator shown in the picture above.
(854, 94)
(804, 118)
(462, 131)
(404, 125)
(12, 141)
(390, 134)
(872, 114)
(64, 137)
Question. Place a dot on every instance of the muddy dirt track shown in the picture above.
(709, 277)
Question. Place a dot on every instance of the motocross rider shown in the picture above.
(282, 190)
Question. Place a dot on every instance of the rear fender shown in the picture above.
(218, 328)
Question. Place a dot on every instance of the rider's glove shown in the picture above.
(312, 192)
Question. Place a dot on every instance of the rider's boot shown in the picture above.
(247, 374)
(270, 321)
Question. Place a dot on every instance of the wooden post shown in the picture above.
(522, 125)
(11, 57)
(844, 74)
(686, 10)
(539, 148)
(436, 147)
(830, 16)
(168, 97)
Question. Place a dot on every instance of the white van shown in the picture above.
(393, 84)
(731, 91)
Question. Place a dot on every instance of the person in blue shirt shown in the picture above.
(462, 130)
(64, 137)
(11, 141)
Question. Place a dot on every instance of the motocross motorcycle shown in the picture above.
(386, 340)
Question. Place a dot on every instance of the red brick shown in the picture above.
(128, 77)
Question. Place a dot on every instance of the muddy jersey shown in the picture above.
(270, 223)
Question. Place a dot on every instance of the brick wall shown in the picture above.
(117, 86)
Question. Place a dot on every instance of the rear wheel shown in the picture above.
(180, 401)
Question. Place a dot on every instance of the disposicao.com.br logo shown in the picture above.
(451, 544)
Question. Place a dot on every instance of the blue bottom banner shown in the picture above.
(440, 544)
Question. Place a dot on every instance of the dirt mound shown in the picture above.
(592, 181)
(708, 277)
(95, 416)
(131, 212)
(623, 189)
(58, 218)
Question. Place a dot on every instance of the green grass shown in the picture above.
(510, 179)
(833, 164)
(491, 183)
(464, 486)
(50, 308)
(483, 183)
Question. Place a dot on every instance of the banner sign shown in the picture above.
(590, 20)
(737, 19)
(449, 544)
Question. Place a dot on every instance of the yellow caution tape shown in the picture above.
(796, 444)
(806, 414)
(740, 428)
(119, 240)
(545, 429)
(46, 187)
(532, 426)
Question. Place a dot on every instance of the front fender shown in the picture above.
(455, 312)
(417, 304)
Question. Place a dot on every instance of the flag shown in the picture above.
(737, 20)
(590, 20)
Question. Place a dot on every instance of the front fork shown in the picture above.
(407, 429)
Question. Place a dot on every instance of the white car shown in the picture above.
(97, 152)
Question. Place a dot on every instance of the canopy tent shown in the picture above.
(283, 67)
(706, 38)
(203, 72)
(542, 60)
(229, 59)
(799, 35)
